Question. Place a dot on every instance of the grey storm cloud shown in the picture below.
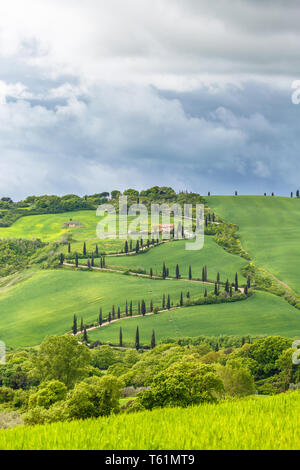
(102, 95)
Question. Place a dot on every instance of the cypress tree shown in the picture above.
(246, 290)
(298, 193)
(216, 289)
(93, 262)
(130, 308)
(139, 307)
(100, 317)
(74, 329)
(137, 339)
(61, 258)
(153, 340)
(292, 194)
(104, 263)
(126, 309)
(85, 338)
(97, 251)
(236, 283)
(230, 291)
(81, 325)
(119, 313)
(113, 312)
(163, 302)
(109, 317)
(203, 275)
(126, 247)
(181, 299)
(177, 272)
(89, 263)
(190, 273)
(142, 243)
(76, 260)
(164, 271)
(151, 305)
(69, 247)
(169, 302)
(205, 293)
(121, 338)
(84, 249)
(137, 248)
(188, 295)
(143, 308)
(151, 272)
(248, 282)
(227, 287)
(218, 278)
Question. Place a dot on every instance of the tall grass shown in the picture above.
(253, 423)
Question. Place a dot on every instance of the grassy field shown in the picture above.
(49, 228)
(269, 229)
(262, 314)
(45, 303)
(172, 253)
(255, 423)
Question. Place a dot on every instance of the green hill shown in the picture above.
(45, 303)
(173, 253)
(248, 424)
(51, 227)
(269, 229)
(262, 314)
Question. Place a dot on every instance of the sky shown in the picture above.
(199, 95)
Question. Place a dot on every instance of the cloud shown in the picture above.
(100, 95)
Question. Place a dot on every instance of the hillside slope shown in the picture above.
(269, 229)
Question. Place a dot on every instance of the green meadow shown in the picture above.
(262, 314)
(173, 253)
(269, 229)
(255, 423)
(46, 302)
(50, 228)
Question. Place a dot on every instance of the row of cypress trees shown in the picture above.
(137, 336)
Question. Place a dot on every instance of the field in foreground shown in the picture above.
(262, 314)
(255, 423)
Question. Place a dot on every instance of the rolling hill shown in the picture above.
(262, 314)
(46, 302)
(269, 229)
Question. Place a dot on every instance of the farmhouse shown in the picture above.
(72, 224)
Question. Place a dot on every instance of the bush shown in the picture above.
(185, 383)
(94, 397)
(47, 394)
